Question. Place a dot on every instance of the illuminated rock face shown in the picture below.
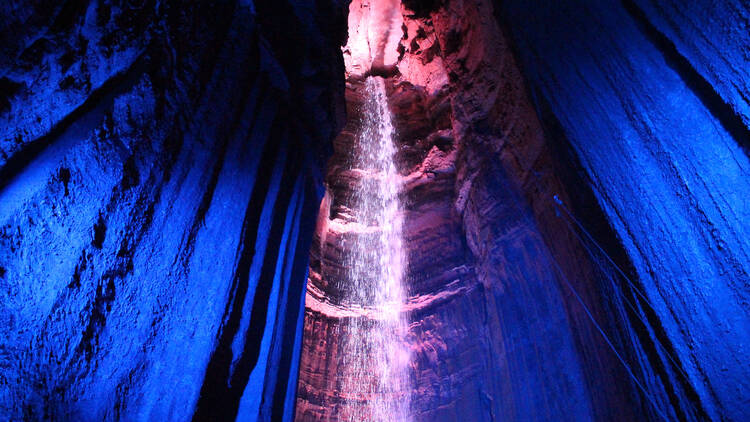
(162, 165)
(489, 321)
(651, 109)
(508, 296)
(159, 181)
(374, 33)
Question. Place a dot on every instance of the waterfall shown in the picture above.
(374, 380)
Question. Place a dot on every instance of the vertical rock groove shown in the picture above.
(157, 124)
(666, 171)
(711, 99)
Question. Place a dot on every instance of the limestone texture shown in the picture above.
(160, 174)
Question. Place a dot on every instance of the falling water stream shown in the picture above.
(374, 379)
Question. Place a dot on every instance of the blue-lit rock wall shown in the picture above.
(651, 97)
(160, 173)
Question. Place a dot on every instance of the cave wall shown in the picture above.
(160, 173)
(495, 333)
(651, 97)
(576, 200)
(161, 167)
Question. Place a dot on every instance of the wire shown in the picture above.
(616, 288)
(632, 306)
(578, 223)
(609, 342)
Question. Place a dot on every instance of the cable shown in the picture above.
(637, 312)
(609, 342)
(618, 290)
(578, 223)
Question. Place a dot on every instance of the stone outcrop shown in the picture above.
(160, 173)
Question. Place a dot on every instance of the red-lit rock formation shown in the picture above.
(494, 333)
